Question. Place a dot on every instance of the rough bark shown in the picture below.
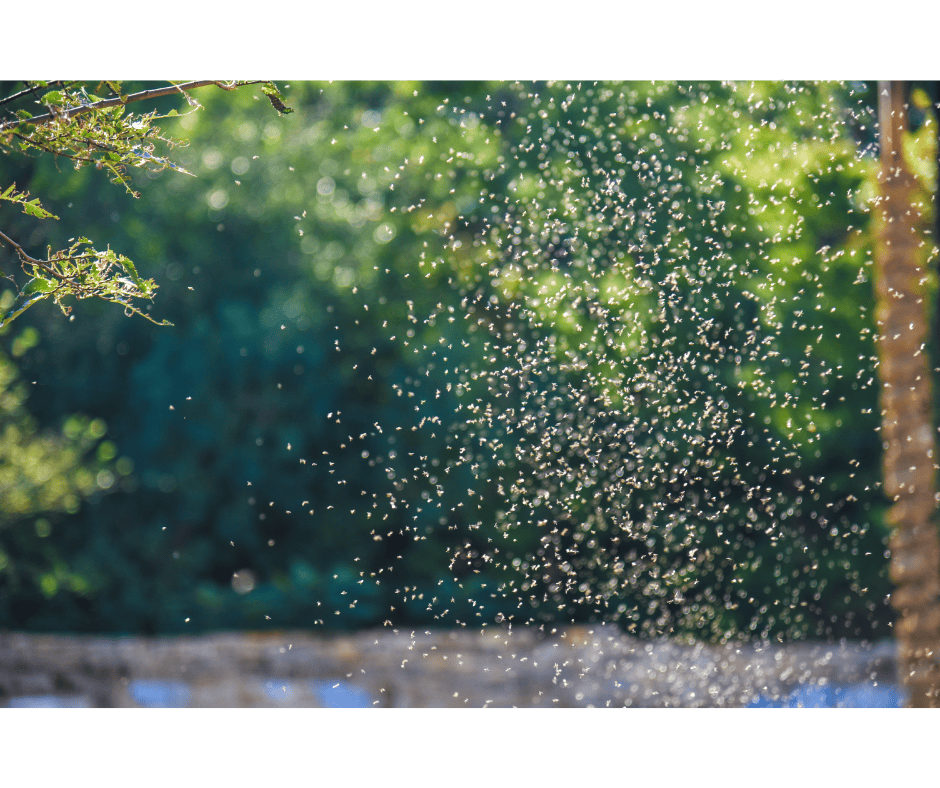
(906, 403)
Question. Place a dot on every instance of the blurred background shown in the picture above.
(367, 297)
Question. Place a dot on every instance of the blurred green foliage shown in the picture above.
(348, 286)
(44, 476)
(71, 123)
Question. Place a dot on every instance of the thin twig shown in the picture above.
(30, 89)
(19, 249)
(25, 258)
(53, 151)
(68, 114)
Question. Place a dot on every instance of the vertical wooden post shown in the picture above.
(906, 407)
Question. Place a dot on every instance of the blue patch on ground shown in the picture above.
(857, 696)
(48, 702)
(279, 691)
(338, 695)
(155, 694)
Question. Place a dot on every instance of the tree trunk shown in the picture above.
(906, 407)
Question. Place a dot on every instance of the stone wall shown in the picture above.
(494, 667)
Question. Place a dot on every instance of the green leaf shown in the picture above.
(132, 270)
(274, 96)
(39, 285)
(54, 97)
(8, 318)
(33, 208)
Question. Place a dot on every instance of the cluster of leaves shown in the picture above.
(97, 131)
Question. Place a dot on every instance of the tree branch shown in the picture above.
(68, 114)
